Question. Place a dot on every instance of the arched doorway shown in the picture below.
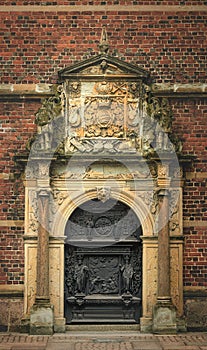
(103, 264)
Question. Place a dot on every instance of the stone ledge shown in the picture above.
(9, 91)
(177, 88)
(104, 7)
(195, 292)
(196, 223)
(195, 175)
(11, 223)
(11, 291)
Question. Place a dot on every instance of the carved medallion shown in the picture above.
(103, 226)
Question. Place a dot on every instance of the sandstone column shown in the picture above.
(41, 317)
(163, 288)
(164, 313)
(43, 249)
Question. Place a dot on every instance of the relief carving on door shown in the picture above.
(103, 281)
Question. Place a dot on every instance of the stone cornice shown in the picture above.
(104, 8)
(11, 223)
(10, 291)
(24, 91)
(38, 91)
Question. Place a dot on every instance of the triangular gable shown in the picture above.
(103, 65)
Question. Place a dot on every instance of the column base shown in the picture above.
(164, 317)
(42, 318)
(59, 325)
(145, 325)
(181, 325)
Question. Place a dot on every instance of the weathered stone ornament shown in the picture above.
(103, 193)
(104, 143)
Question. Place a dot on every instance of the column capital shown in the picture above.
(43, 192)
(163, 192)
(163, 179)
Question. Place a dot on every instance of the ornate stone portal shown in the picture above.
(102, 136)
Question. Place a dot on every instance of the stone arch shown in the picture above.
(132, 200)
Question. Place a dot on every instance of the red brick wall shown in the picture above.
(16, 127)
(190, 124)
(35, 45)
(171, 45)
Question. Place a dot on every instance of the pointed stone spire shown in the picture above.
(104, 44)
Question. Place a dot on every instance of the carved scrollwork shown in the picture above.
(150, 199)
(32, 170)
(174, 207)
(33, 214)
(59, 196)
(76, 144)
(70, 271)
(137, 266)
(160, 113)
(109, 131)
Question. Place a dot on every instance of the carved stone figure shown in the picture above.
(45, 137)
(74, 114)
(127, 274)
(81, 275)
(51, 108)
(148, 134)
(74, 89)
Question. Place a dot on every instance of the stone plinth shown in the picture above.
(164, 318)
(41, 318)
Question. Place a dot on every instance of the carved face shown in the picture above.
(103, 194)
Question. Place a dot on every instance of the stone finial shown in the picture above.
(104, 44)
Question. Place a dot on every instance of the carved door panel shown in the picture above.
(103, 282)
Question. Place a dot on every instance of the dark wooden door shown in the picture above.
(103, 267)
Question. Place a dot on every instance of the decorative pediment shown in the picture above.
(103, 66)
(104, 105)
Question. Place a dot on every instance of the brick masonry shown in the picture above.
(167, 38)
